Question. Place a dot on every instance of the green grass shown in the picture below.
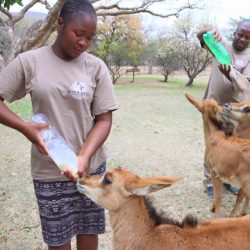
(22, 107)
(174, 86)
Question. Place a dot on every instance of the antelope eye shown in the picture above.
(246, 109)
(106, 180)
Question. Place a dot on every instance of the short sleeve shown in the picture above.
(104, 99)
(12, 81)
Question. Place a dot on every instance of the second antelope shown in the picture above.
(228, 157)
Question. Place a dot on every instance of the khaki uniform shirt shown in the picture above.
(220, 88)
(70, 94)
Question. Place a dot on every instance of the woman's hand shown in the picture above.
(82, 169)
(82, 166)
(70, 175)
(29, 129)
(32, 131)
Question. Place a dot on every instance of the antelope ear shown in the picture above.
(197, 103)
(148, 185)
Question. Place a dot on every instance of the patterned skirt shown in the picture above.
(64, 212)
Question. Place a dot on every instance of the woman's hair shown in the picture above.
(73, 8)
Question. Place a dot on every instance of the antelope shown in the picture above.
(228, 157)
(136, 226)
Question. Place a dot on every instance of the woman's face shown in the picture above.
(76, 36)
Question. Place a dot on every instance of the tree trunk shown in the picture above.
(190, 82)
(165, 78)
(2, 64)
(133, 80)
(150, 69)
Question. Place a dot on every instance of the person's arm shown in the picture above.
(200, 36)
(28, 129)
(239, 80)
(95, 138)
(225, 70)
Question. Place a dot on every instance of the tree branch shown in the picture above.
(46, 3)
(22, 12)
(5, 12)
(1, 22)
(46, 28)
(116, 10)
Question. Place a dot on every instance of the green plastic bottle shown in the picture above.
(217, 48)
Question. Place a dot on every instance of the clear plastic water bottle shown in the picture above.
(59, 150)
(217, 48)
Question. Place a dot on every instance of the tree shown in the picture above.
(192, 58)
(119, 42)
(37, 34)
(149, 54)
(168, 57)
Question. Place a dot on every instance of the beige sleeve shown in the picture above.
(12, 81)
(240, 81)
(104, 96)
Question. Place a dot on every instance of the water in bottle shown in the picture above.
(59, 150)
(217, 48)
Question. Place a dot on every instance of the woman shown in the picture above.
(74, 90)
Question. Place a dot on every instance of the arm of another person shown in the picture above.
(95, 138)
(200, 36)
(239, 80)
(28, 129)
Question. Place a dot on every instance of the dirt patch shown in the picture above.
(155, 132)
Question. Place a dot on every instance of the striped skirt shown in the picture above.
(64, 212)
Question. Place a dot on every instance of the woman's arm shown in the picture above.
(96, 137)
(29, 129)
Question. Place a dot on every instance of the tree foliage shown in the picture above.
(168, 57)
(7, 3)
(119, 42)
(149, 54)
(192, 58)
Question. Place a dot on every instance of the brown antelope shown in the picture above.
(137, 227)
(228, 157)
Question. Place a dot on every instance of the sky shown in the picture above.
(219, 11)
(222, 10)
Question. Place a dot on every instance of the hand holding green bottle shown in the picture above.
(214, 43)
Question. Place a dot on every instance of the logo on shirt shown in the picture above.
(79, 90)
